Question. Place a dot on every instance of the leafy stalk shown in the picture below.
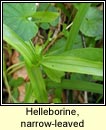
(31, 60)
(76, 24)
(37, 83)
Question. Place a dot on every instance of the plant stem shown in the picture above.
(37, 83)
(76, 25)
(5, 79)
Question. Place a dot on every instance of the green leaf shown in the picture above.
(45, 26)
(15, 41)
(55, 22)
(37, 83)
(56, 100)
(92, 25)
(94, 54)
(57, 48)
(83, 77)
(28, 52)
(58, 93)
(73, 64)
(76, 85)
(77, 5)
(45, 16)
(76, 24)
(14, 100)
(54, 74)
(18, 17)
(16, 82)
(62, 7)
(98, 78)
(77, 42)
(43, 6)
(15, 93)
(29, 98)
(48, 7)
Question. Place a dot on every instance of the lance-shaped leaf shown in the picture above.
(76, 85)
(15, 41)
(73, 64)
(45, 16)
(94, 54)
